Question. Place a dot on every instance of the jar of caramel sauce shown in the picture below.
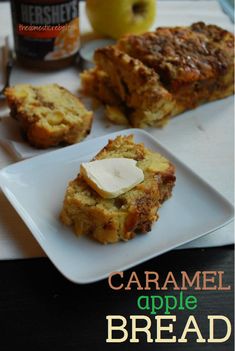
(46, 32)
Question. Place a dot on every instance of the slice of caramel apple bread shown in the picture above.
(49, 115)
(110, 220)
(132, 87)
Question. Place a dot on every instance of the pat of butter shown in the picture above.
(112, 177)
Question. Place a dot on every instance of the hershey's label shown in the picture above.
(48, 14)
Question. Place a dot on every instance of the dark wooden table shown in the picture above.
(41, 310)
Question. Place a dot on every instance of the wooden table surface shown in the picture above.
(41, 310)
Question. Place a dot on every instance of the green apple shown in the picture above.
(115, 18)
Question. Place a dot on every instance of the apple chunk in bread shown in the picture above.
(116, 18)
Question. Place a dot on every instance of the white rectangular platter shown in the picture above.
(36, 189)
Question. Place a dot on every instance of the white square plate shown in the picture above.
(36, 189)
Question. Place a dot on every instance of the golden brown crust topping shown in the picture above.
(160, 74)
(183, 53)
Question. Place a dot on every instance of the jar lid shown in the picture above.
(87, 49)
